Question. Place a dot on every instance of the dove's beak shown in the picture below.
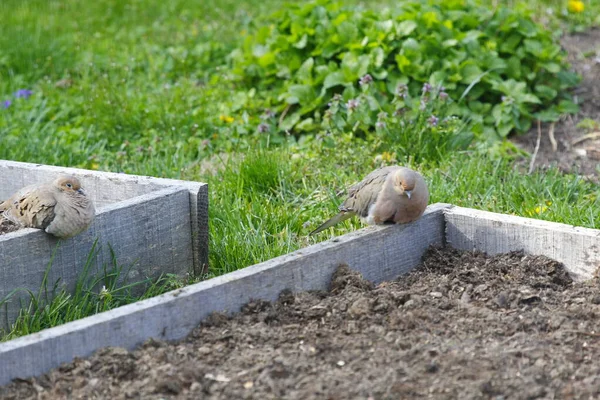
(408, 193)
(80, 191)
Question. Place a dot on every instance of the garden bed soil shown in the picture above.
(462, 325)
(574, 153)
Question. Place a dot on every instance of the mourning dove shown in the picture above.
(390, 194)
(61, 208)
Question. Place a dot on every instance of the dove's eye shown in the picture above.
(69, 185)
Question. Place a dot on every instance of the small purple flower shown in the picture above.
(23, 93)
(382, 115)
(443, 95)
(263, 128)
(401, 90)
(6, 103)
(423, 104)
(433, 120)
(267, 114)
(352, 104)
(379, 125)
(426, 88)
(365, 80)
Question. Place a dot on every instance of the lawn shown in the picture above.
(149, 87)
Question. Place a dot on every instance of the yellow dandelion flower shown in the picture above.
(226, 118)
(575, 6)
(94, 166)
(540, 209)
(386, 156)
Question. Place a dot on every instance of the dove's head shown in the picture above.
(69, 185)
(404, 181)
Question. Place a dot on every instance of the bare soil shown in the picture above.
(462, 325)
(573, 152)
(7, 226)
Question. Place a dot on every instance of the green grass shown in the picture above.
(54, 304)
(141, 87)
(249, 225)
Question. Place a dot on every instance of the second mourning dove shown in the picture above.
(390, 194)
(61, 207)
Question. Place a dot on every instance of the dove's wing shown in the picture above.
(360, 197)
(31, 206)
(364, 194)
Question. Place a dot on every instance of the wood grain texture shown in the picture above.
(106, 188)
(577, 248)
(149, 234)
(380, 253)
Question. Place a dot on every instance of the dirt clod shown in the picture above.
(462, 325)
(7, 226)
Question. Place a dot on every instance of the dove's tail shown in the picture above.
(341, 216)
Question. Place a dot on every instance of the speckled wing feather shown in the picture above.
(360, 197)
(31, 206)
(363, 194)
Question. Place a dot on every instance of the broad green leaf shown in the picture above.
(450, 43)
(385, 26)
(568, 78)
(534, 47)
(552, 67)
(378, 57)
(304, 74)
(568, 107)
(266, 59)
(289, 122)
(470, 72)
(411, 45)
(550, 115)
(405, 28)
(530, 98)
(300, 44)
(302, 94)
(347, 31)
(546, 92)
(334, 79)
(305, 125)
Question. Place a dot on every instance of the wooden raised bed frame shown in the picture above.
(379, 253)
(153, 225)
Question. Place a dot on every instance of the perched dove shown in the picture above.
(61, 208)
(390, 194)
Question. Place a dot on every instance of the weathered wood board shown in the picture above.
(577, 248)
(379, 253)
(149, 234)
(107, 188)
(153, 225)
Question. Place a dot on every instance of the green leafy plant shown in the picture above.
(501, 66)
(414, 128)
